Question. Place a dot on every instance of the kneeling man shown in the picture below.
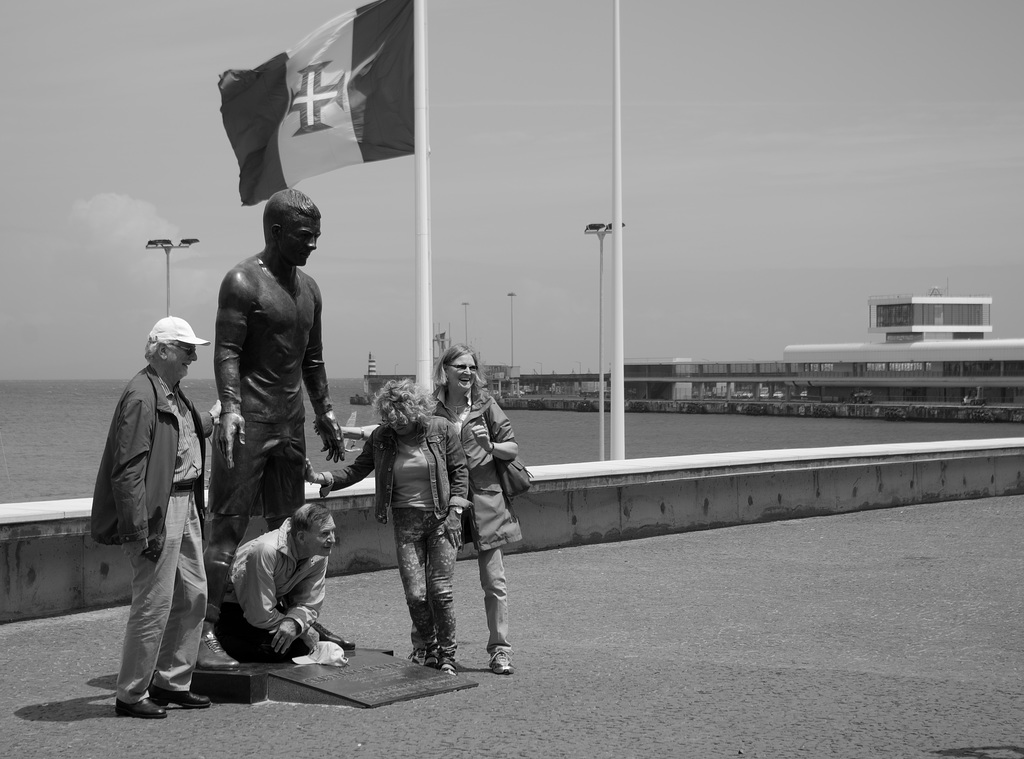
(276, 588)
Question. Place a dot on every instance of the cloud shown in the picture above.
(121, 221)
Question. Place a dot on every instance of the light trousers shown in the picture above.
(492, 580)
(161, 641)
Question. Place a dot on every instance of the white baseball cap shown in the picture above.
(330, 654)
(171, 328)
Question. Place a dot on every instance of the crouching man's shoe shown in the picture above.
(144, 709)
(186, 699)
(330, 637)
(211, 655)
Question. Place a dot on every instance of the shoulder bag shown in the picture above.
(513, 475)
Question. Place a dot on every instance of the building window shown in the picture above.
(894, 315)
(981, 368)
(969, 314)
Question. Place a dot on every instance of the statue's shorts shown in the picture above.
(268, 477)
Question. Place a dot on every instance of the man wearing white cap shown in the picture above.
(149, 500)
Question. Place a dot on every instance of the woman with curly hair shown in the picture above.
(421, 475)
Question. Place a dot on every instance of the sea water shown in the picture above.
(52, 433)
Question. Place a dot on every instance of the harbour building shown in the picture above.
(934, 349)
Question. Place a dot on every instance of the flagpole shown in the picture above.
(618, 407)
(424, 354)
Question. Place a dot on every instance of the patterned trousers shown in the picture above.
(426, 563)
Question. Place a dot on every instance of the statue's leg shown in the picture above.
(233, 495)
(284, 483)
(225, 532)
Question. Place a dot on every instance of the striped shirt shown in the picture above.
(188, 462)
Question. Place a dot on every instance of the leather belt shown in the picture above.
(183, 487)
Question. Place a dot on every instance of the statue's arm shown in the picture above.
(233, 304)
(314, 375)
(235, 300)
(314, 372)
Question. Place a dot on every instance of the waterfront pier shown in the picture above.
(883, 633)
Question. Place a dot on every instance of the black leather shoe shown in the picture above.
(212, 656)
(186, 699)
(330, 637)
(144, 709)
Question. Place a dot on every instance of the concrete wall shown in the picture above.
(50, 565)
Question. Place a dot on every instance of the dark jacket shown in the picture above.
(449, 476)
(491, 522)
(134, 481)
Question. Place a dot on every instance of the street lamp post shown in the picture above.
(511, 332)
(167, 247)
(600, 230)
(465, 316)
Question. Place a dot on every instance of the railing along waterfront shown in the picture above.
(52, 566)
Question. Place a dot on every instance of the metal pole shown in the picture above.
(168, 252)
(424, 354)
(618, 436)
(465, 314)
(600, 346)
(511, 332)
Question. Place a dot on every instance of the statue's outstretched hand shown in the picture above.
(327, 427)
(230, 429)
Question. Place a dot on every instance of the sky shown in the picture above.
(782, 162)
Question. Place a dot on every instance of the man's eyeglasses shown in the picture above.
(186, 348)
(463, 367)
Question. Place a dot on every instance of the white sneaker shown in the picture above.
(501, 663)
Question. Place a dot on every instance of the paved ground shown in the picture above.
(892, 633)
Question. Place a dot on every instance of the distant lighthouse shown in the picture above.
(371, 366)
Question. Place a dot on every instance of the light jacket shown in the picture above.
(133, 485)
(446, 462)
(269, 583)
(491, 522)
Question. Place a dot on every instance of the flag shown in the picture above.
(344, 96)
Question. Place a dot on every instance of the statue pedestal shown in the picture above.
(371, 678)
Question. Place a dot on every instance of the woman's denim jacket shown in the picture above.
(449, 475)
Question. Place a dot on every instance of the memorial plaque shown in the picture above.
(371, 678)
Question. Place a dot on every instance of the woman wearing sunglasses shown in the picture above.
(486, 434)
